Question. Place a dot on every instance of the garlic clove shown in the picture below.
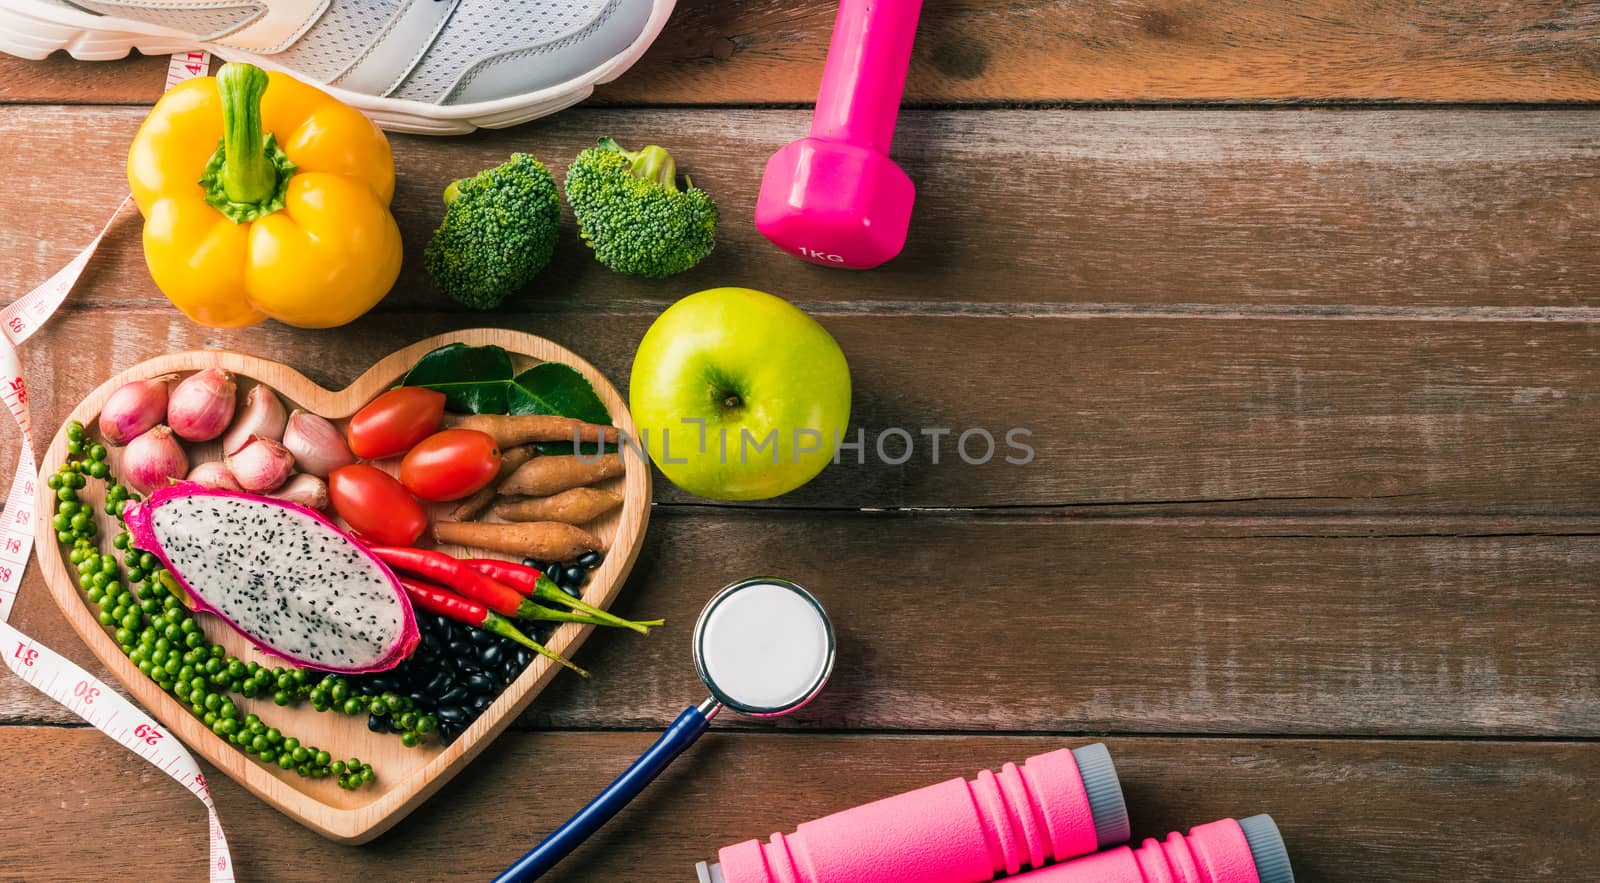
(260, 465)
(318, 446)
(201, 406)
(263, 415)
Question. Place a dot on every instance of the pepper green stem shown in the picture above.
(547, 590)
(247, 174)
(501, 626)
(539, 612)
(248, 177)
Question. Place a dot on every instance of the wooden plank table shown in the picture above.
(1312, 528)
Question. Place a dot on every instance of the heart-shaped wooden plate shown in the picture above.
(405, 776)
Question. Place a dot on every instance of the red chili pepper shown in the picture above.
(445, 603)
(533, 583)
(458, 576)
(449, 605)
(518, 576)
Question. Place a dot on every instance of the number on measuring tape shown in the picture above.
(34, 663)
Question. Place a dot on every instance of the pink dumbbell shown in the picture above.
(835, 198)
(1246, 851)
(1055, 806)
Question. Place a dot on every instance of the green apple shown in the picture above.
(738, 395)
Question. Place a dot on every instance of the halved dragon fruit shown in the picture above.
(282, 575)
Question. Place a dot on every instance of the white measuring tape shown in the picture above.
(48, 671)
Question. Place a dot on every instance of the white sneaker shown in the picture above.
(435, 66)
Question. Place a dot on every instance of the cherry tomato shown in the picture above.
(376, 507)
(451, 464)
(394, 421)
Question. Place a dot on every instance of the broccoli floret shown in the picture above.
(498, 232)
(633, 215)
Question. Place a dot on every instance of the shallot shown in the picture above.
(201, 407)
(318, 447)
(263, 416)
(214, 475)
(304, 489)
(154, 459)
(260, 465)
(134, 408)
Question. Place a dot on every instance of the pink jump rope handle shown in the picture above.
(835, 198)
(1248, 851)
(1055, 806)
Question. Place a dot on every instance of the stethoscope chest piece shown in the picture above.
(764, 647)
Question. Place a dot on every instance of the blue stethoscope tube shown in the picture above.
(684, 731)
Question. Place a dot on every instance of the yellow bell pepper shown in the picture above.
(288, 218)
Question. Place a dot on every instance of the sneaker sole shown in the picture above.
(32, 30)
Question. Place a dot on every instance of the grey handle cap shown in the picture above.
(1106, 805)
(1266, 847)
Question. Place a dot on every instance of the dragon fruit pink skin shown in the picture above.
(370, 578)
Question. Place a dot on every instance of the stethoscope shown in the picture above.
(764, 647)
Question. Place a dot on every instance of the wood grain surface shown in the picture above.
(1355, 626)
(1349, 809)
(1118, 51)
(1283, 212)
(1218, 414)
(1311, 527)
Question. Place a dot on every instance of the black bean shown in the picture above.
(383, 684)
(510, 670)
(458, 649)
(423, 701)
(480, 703)
(479, 683)
(590, 560)
(453, 696)
(524, 655)
(481, 637)
(377, 724)
(576, 575)
(431, 642)
(491, 655)
(440, 682)
(451, 714)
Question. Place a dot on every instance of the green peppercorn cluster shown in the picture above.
(160, 636)
(337, 693)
